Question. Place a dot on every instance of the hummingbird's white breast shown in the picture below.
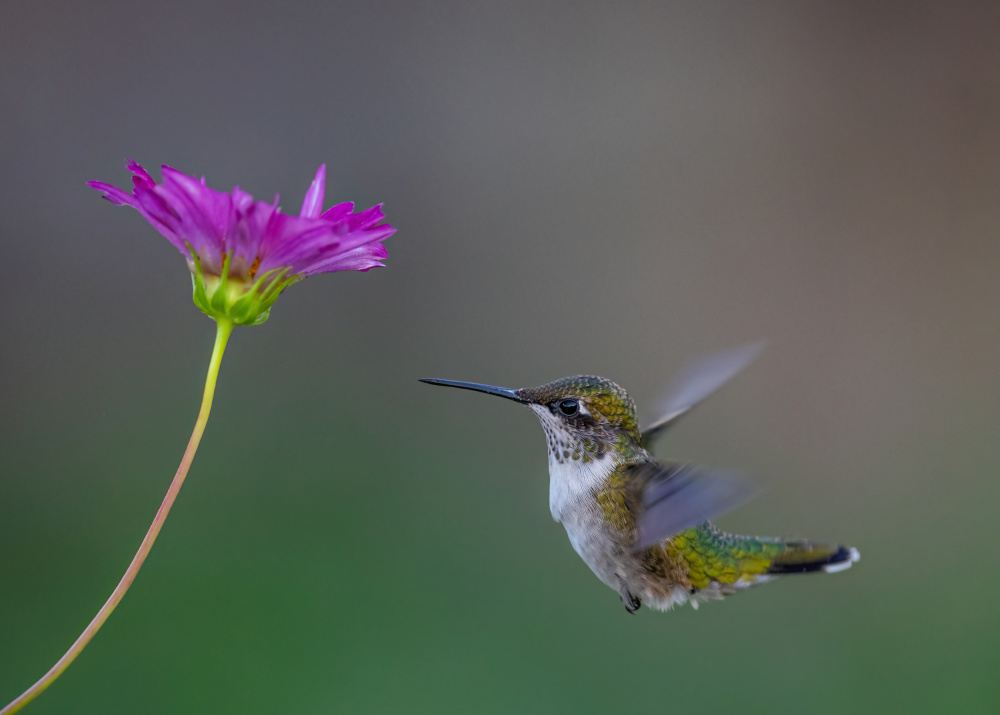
(572, 487)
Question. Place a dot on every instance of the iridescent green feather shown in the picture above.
(601, 396)
(711, 554)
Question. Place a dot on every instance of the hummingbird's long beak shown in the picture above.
(507, 392)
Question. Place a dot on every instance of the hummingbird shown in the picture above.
(641, 525)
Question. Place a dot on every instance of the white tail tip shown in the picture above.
(844, 565)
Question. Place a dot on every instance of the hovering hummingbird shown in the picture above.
(641, 525)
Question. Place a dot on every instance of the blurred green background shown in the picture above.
(611, 189)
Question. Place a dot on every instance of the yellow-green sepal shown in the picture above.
(235, 299)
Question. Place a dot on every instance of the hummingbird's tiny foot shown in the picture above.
(632, 603)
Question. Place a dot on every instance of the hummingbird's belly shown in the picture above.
(596, 550)
(606, 553)
(610, 556)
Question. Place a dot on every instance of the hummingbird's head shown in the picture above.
(584, 417)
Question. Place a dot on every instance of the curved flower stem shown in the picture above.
(225, 328)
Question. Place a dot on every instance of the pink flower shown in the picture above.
(244, 253)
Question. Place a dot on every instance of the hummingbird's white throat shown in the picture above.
(571, 480)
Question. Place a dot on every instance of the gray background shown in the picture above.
(603, 188)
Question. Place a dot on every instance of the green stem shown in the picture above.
(225, 328)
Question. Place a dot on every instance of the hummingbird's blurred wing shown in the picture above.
(698, 380)
(672, 498)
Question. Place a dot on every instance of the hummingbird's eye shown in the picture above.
(569, 407)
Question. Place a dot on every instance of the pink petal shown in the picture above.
(362, 258)
(338, 212)
(312, 205)
(113, 193)
(142, 177)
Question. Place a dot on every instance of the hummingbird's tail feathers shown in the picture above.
(715, 563)
(804, 557)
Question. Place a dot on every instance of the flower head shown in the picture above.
(243, 253)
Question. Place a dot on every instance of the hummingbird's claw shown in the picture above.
(632, 603)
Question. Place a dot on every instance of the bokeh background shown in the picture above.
(579, 188)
